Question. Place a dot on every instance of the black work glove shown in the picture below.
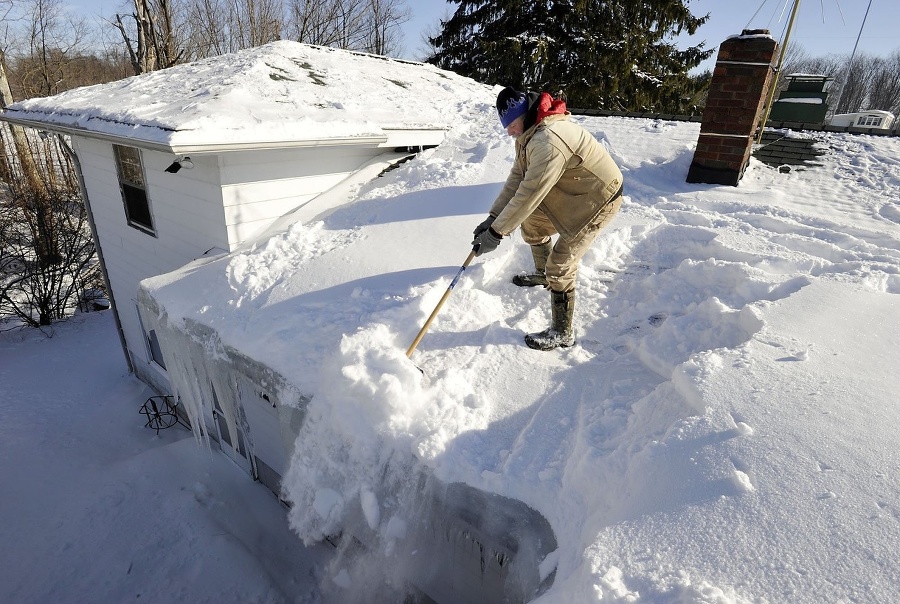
(486, 241)
(484, 226)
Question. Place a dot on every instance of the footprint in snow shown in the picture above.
(657, 319)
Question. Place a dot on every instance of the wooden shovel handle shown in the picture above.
(440, 303)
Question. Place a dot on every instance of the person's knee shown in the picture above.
(561, 271)
(537, 230)
(533, 236)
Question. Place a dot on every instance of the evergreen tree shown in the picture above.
(613, 54)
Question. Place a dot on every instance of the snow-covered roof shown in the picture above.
(875, 112)
(801, 101)
(732, 346)
(281, 94)
(810, 76)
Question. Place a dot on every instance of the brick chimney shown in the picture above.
(733, 109)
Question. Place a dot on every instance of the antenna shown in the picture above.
(774, 84)
(840, 11)
(852, 56)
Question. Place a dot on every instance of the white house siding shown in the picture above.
(188, 219)
(260, 186)
(255, 401)
(217, 205)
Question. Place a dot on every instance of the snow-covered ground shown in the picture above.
(723, 432)
(95, 507)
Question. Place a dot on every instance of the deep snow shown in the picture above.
(723, 431)
(96, 507)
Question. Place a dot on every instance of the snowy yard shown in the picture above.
(98, 508)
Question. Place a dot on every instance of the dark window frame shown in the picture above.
(870, 121)
(156, 354)
(133, 187)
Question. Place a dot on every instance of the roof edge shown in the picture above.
(75, 131)
(391, 137)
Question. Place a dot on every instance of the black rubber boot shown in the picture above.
(561, 333)
(540, 253)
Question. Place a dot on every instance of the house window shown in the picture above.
(869, 120)
(134, 188)
(155, 349)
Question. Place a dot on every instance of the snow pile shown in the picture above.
(722, 431)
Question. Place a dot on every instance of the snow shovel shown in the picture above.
(440, 303)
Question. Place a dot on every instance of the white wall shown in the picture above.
(219, 203)
(260, 186)
(850, 119)
(187, 214)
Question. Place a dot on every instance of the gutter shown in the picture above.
(210, 148)
(73, 131)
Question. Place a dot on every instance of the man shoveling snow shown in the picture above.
(563, 181)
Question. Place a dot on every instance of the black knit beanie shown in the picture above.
(531, 99)
(511, 104)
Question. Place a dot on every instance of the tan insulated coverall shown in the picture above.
(562, 181)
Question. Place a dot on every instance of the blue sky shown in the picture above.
(822, 26)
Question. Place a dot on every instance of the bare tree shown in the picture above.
(384, 20)
(868, 83)
(151, 35)
(884, 89)
(47, 257)
(46, 251)
(55, 40)
(426, 48)
(366, 25)
(307, 21)
(253, 22)
(337, 23)
(26, 73)
(34, 288)
(216, 27)
(798, 60)
(23, 156)
(208, 26)
(854, 81)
